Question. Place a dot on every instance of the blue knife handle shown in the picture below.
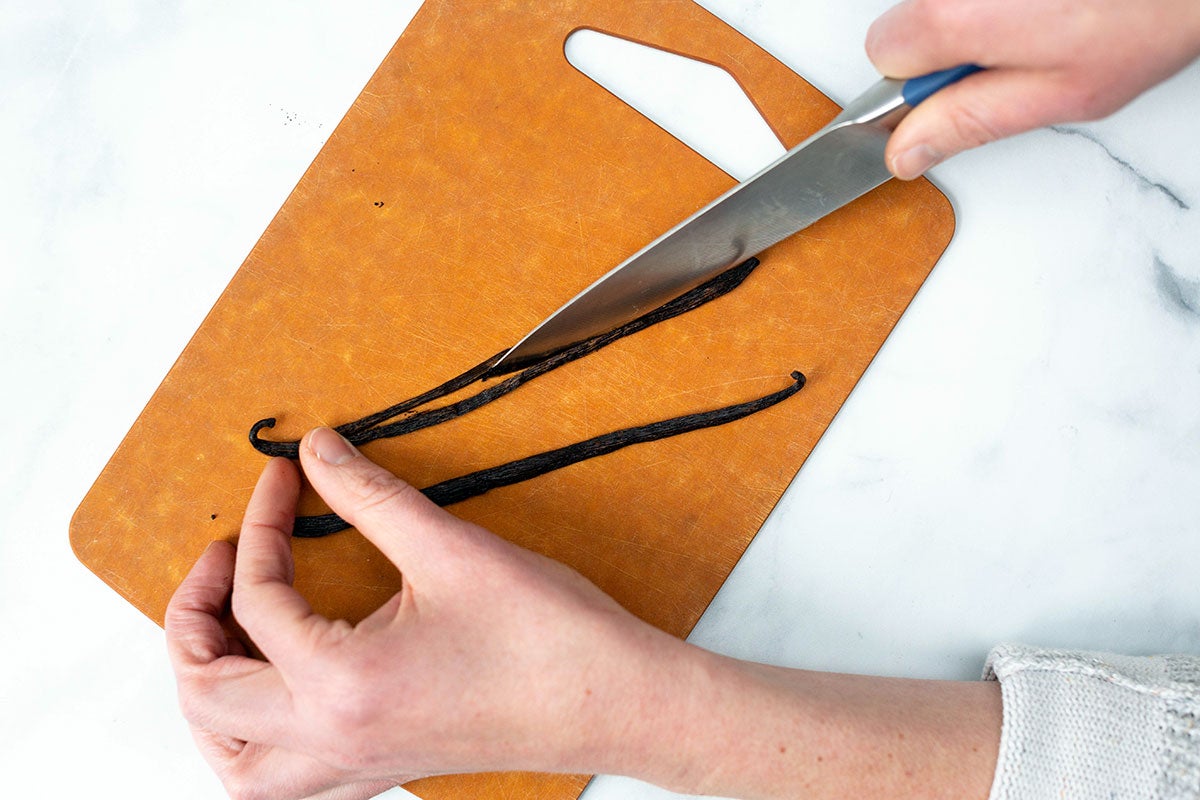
(917, 89)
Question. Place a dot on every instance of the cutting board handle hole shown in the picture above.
(699, 103)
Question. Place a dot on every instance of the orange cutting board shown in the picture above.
(477, 182)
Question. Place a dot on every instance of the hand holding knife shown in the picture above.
(839, 163)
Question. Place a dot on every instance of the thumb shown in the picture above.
(404, 524)
(979, 109)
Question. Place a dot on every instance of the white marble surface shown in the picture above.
(1022, 461)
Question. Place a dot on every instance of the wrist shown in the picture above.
(672, 717)
(640, 702)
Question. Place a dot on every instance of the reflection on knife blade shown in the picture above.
(836, 165)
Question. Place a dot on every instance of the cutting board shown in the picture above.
(477, 182)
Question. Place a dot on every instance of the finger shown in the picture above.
(238, 698)
(219, 688)
(254, 770)
(193, 618)
(980, 109)
(277, 618)
(404, 524)
(920, 36)
(904, 42)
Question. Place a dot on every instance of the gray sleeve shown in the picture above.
(1081, 725)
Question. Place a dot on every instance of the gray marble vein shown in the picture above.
(1142, 179)
(1180, 293)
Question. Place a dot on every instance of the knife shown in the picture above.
(837, 164)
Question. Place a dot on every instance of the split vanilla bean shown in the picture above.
(377, 426)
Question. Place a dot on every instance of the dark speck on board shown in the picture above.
(379, 204)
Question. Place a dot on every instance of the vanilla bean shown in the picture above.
(372, 426)
(455, 490)
(409, 415)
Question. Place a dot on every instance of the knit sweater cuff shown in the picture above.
(1093, 725)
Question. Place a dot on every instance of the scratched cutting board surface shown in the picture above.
(477, 182)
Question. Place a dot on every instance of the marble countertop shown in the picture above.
(1021, 461)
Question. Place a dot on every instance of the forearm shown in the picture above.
(714, 725)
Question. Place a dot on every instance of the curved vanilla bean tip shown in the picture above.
(268, 447)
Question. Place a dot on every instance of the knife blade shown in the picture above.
(836, 165)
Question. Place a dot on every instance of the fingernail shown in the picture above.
(330, 446)
(913, 162)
